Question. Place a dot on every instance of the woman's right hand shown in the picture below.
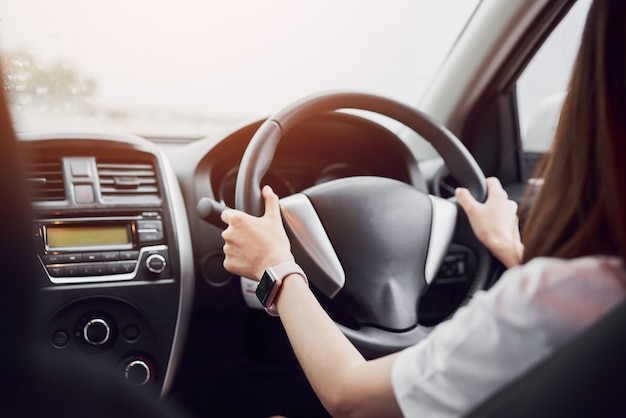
(494, 222)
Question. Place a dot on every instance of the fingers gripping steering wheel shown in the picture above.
(372, 244)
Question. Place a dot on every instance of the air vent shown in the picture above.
(127, 180)
(45, 179)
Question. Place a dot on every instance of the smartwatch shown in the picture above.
(270, 283)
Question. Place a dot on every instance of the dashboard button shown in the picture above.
(84, 193)
(156, 225)
(71, 271)
(131, 333)
(150, 236)
(60, 338)
(129, 255)
(56, 271)
(52, 258)
(73, 258)
(92, 257)
(99, 269)
(80, 167)
(85, 270)
(110, 256)
(128, 266)
(114, 268)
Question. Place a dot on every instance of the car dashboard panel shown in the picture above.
(324, 148)
(112, 241)
(127, 266)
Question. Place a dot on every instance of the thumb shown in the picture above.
(465, 198)
(272, 208)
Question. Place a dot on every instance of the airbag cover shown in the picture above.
(380, 231)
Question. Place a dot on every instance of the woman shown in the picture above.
(572, 272)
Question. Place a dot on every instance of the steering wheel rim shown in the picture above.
(303, 212)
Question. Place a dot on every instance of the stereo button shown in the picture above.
(99, 269)
(91, 257)
(52, 258)
(55, 271)
(71, 271)
(128, 267)
(114, 268)
(156, 225)
(73, 258)
(129, 255)
(85, 270)
(110, 256)
(150, 236)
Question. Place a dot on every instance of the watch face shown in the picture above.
(265, 290)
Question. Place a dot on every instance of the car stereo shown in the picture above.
(98, 249)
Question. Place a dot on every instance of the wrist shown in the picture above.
(273, 262)
(271, 282)
(512, 255)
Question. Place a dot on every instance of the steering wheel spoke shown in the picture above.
(308, 234)
(442, 229)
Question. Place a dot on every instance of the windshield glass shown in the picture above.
(187, 68)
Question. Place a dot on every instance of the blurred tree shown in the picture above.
(28, 82)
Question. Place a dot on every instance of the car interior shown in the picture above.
(112, 253)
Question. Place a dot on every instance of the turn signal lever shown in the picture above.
(210, 211)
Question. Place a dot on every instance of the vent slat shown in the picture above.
(127, 180)
(45, 180)
(120, 172)
(111, 179)
(151, 190)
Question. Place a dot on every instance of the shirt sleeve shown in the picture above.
(503, 332)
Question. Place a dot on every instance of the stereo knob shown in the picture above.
(97, 331)
(138, 372)
(155, 263)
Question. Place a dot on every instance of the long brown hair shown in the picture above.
(581, 207)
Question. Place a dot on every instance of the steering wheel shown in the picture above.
(372, 244)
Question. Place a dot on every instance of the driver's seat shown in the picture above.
(586, 377)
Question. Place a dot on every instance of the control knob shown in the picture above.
(96, 331)
(155, 263)
(138, 371)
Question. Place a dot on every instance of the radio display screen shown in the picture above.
(62, 236)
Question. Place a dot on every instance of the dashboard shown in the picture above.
(132, 277)
(326, 148)
(112, 241)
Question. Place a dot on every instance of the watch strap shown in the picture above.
(281, 271)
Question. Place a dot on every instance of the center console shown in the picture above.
(113, 245)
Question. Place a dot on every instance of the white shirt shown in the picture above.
(503, 332)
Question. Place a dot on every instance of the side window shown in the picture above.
(541, 87)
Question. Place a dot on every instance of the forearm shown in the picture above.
(346, 384)
(509, 253)
(344, 381)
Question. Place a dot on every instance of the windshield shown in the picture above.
(187, 68)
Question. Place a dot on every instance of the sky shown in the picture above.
(237, 57)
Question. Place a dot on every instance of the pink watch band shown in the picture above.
(281, 271)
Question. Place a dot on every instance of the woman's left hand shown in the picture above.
(253, 244)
